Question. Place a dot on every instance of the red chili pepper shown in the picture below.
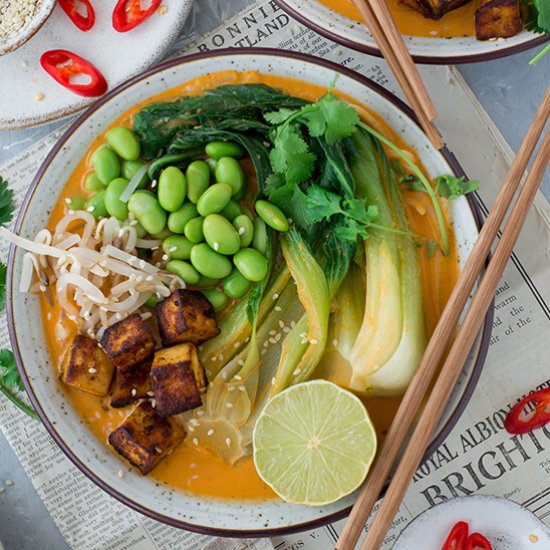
(62, 65)
(477, 540)
(128, 14)
(83, 22)
(541, 416)
(457, 537)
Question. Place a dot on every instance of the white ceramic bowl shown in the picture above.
(462, 49)
(29, 29)
(206, 515)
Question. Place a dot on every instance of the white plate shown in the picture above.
(208, 515)
(505, 524)
(117, 55)
(463, 49)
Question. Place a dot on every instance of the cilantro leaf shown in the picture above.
(537, 15)
(9, 376)
(451, 187)
(322, 204)
(280, 116)
(7, 206)
(412, 183)
(332, 118)
(290, 155)
(2, 286)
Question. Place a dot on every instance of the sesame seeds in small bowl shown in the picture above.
(19, 21)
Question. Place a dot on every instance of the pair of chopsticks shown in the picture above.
(441, 337)
(390, 41)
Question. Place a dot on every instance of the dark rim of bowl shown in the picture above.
(207, 530)
(427, 59)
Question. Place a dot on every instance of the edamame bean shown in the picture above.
(216, 297)
(96, 205)
(171, 188)
(209, 263)
(184, 270)
(147, 211)
(193, 230)
(164, 234)
(231, 211)
(245, 229)
(124, 142)
(220, 234)
(272, 215)
(219, 149)
(76, 202)
(214, 199)
(235, 285)
(228, 170)
(207, 281)
(106, 164)
(198, 179)
(93, 183)
(115, 207)
(259, 240)
(177, 247)
(252, 265)
(178, 220)
(129, 169)
(212, 163)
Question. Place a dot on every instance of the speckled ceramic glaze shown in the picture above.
(507, 525)
(462, 49)
(177, 508)
(118, 56)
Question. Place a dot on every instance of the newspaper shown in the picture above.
(477, 457)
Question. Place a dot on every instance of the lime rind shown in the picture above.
(314, 443)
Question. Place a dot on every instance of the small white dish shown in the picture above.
(505, 524)
(30, 96)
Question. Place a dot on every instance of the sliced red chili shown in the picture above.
(83, 22)
(63, 65)
(476, 541)
(128, 14)
(456, 540)
(516, 424)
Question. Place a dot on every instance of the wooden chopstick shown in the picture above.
(443, 332)
(459, 352)
(393, 48)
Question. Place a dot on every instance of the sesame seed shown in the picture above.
(214, 359)
(150, 393)
(272, 341)
(195, 441)
(275, 296)
(272, 332)
(210, 432)
(162, 9)
(228, 442)
(240, 362)
(165, 257)
(242, 388)
(133, 223)
(24, 64)
(158, 450)
(67, 200)
(120, 474)
(200, 413)
(229, 405)
(190, 428)
(90, 209)
(216, 246)
(42, 288)
(49, 316)
(236, 345)
(263, 352)
(282, 324)
(241, 230)
(273, 381)
(193, 421)
(134, 392)
(292, 324)
(153, 184)
(296, 372)
(230, 388)
(195, 476)
(314, 341)
(192, 465)
(91, 370)
(303, 334)
(335, 342)
(278, 308)
(39, 97)
(286, 330)
(172, 249)
(304, 341)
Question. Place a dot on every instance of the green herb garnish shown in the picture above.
(537, 19)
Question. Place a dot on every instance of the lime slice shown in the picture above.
(314, 443)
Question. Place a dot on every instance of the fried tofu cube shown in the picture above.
(144, 438)
(186, 316)
(131, 385)
(498, 19)
(128, 342)
(86, 367)
(178, 379)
